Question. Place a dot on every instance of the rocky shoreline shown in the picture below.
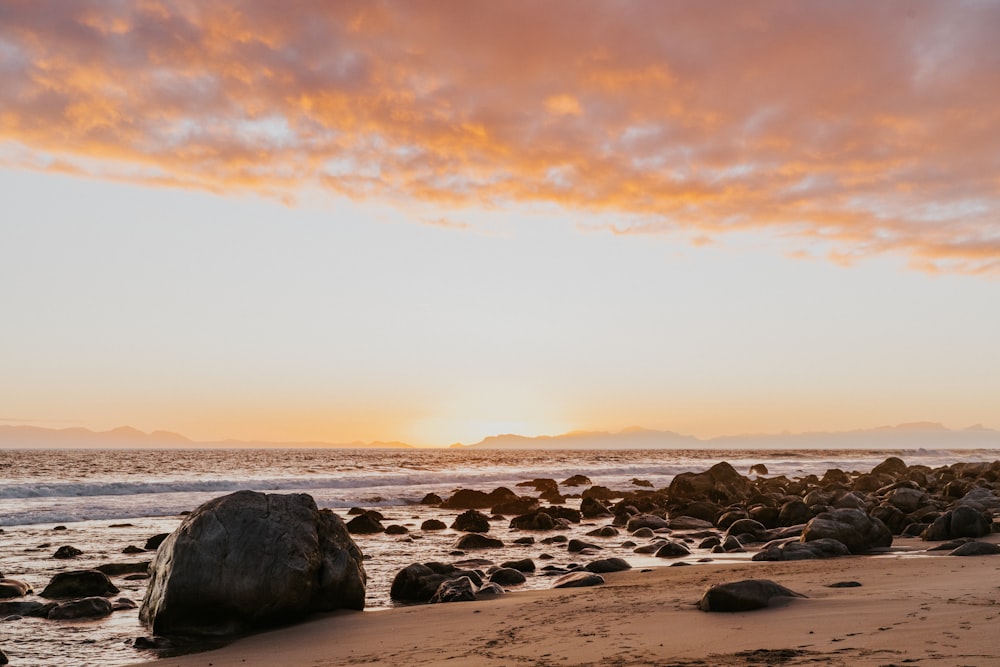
(567, 533)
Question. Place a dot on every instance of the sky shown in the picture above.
(437, 221)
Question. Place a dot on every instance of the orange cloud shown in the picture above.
(863, 128)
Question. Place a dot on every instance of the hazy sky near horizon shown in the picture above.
(438, 221)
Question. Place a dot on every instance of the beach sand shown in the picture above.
(930, 610)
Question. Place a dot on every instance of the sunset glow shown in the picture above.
(427, 222)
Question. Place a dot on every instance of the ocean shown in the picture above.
(102, 501)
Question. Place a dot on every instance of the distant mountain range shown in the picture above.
(926, 435)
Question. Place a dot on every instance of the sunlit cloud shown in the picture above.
(862, 129)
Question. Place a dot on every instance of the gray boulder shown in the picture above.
(852, 528)
(963, 521)
(744, 595)
(248, 560)
(975, 548)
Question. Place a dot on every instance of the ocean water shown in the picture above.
(105, 500)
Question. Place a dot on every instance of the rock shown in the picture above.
(845, 584)
(601, 493)
(516, 505)
(646, 521)
(132, 549)
(720, 483)
(433, 524)
(489, 590)
(155, 541)
(416, 583)
(747, 527)
(30, 608)
(465, 499)
(247, 560)
(963, 521)
(744, 595)
(431, 499)
(539, 520)
(853, 528)
(604, 531)
(643, 483)
(12, 588)
(365, 524)
(577, 480)
(607, 565)
(700, 509)
(396, 529)
(892, 466)
(121, 604)
(544, 486)
(673, 550)
(592, 508)
(689, 523)
(643, 532)
(794, 512)
(79, 584)
(3, 658)
(455, 590)
(906, 500)
(576, 546)
(117, 569)
(523, 565)
(477, 541)
(578, 580)
(90, 607)
(567, 513)
(976, 549)
(471, 521)
(795, 550)
(758, 469)
(507, 576)
(525, 540)
(67, 552)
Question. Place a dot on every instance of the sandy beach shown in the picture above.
(909, 610)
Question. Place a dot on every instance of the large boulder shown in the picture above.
(720, 483)
(538, 520)
(471, 521)
(963, 521)
(852, 528)
(420, 582)
(248, 560)
(744, 595)
(466, 499)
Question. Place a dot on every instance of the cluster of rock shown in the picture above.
(69, 595)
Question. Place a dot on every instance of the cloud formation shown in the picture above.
(858, 128)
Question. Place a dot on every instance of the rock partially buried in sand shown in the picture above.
(744, 595)
(247, 560)
(976, 549)
(578, 580)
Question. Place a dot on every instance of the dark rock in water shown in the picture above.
(690, 523)
(976, 549)
(431, 499)
(720, 484)
(121, 604)
(523, 565)
(79, 584)
(892, 466)
(643, 532)
(59, 528)
(416, 583)
(471, 521)
(155, 541)
(455, 590)
(758, 469)
(905, 499)
(604, 531)
(67, 552)
(477, 541)
(507, 576)
(12, 588)
(3, 658)
(525, 540)
(601, 493)
(592, 507)
(673, 550)
(853, 528)
(700, 509)
(91, 607)
(247, 560)
(465, 499)
(576, 546)
(578, 580)
(358, 511)
(845, 584)
(132, 549)
(963, 521)
(710, 542)
(116, 569)
(643, 483)
(433, 524)
(396, 529)
(744, 595)
(538, 520)
(567, 513)
(365, 524)
(30, 608)
(650, 521)
(607, 565)
(516, 505)
(154, 643)
(747, 530)
(794, 550)
(545, 486)
(577, 480)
